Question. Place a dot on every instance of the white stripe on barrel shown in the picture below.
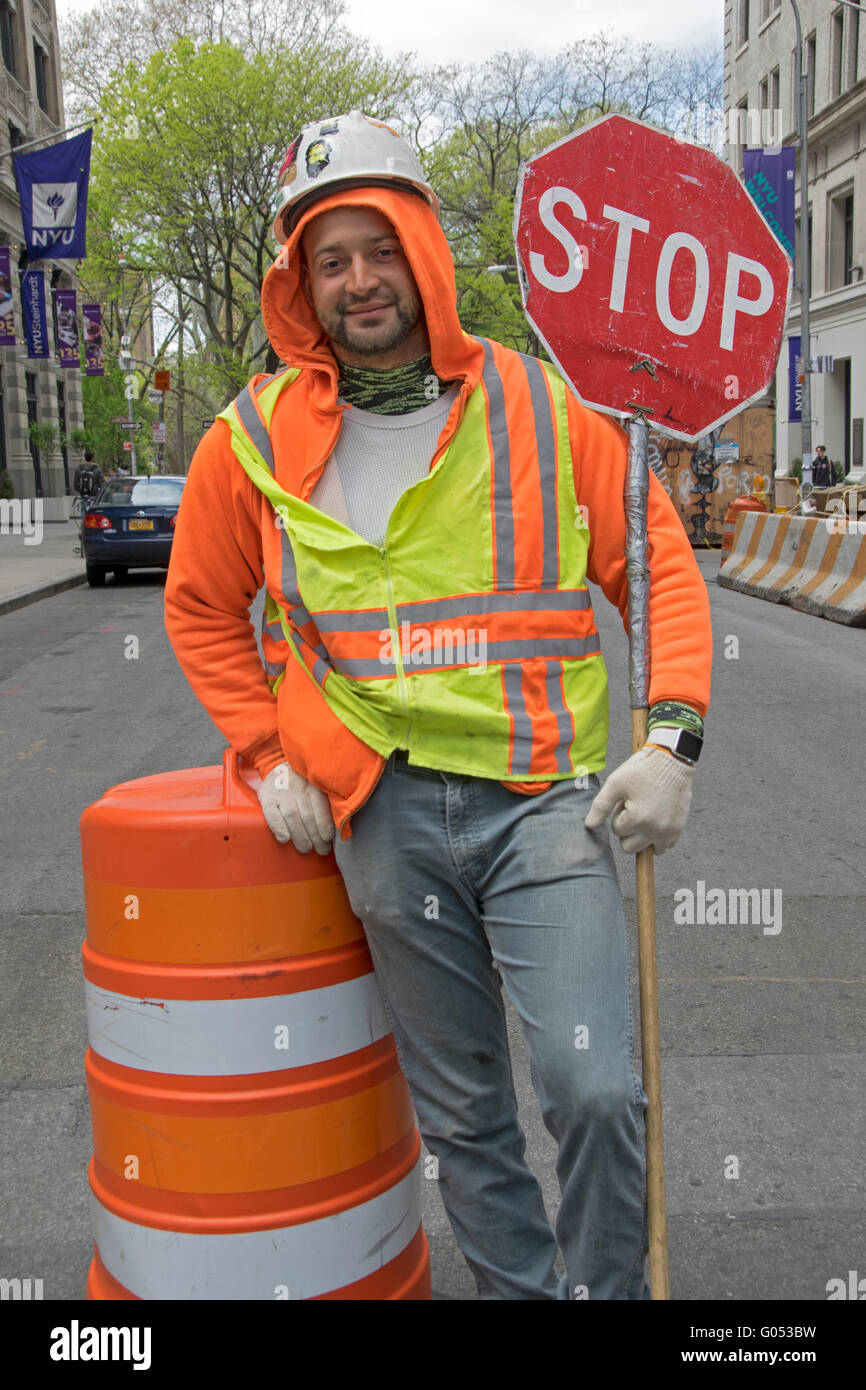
(233, 1037)
(309, 1259)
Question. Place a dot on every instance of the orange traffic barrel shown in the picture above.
(253, 1135)
(729, 525)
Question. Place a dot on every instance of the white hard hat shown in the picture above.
(353, 151)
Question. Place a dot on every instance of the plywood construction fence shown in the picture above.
(703, 489)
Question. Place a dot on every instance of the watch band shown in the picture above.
(680, 742)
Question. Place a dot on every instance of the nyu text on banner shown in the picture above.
(769, 178)
(52, 185)
(33, 308)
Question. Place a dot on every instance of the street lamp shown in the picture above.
(125, 361)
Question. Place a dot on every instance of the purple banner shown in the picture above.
(91, 315)
(33, 309)
(7, 314)
(795, 385)
(769, 178)
(66, 319)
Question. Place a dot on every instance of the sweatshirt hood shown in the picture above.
(298, 338)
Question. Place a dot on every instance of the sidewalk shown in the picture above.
(31, 570)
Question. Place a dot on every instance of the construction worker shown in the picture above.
(424, 508)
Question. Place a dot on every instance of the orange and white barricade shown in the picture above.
(253, 1135)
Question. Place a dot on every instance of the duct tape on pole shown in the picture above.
(660, 293)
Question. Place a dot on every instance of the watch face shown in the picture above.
(689, 745)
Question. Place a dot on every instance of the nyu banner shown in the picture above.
(91, 315)
(769, 178)
(52, 185)
(33, 308)
(795, 385)
(66, 319)
(7, 315)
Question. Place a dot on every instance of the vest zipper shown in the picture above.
(392, 623)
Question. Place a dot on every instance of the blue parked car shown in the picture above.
(130, 525)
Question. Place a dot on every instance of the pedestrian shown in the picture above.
(822, 469)
(424, 508)
(87, 478)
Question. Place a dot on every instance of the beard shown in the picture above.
(339, 327)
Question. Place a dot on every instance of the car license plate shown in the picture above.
(141, 526)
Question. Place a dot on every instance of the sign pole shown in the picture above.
(637, 574)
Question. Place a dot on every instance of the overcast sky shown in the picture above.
(470, 30)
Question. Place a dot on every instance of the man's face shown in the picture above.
(362, 289)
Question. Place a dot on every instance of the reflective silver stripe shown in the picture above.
(522, 739)
(502, 497)
(267, 381)
(560, 600)
(251, 421)
(289, 574)
(553, 690)
(521, 649)
(346, 620)
(274, 668)
(308, 1259)
(235, 1037)
(320, 668)
(546, 446)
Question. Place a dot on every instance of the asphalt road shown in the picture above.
(762, 1036)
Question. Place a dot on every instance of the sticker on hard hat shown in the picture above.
(289, 166)
(318, 157)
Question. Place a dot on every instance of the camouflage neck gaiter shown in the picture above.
(394, 391)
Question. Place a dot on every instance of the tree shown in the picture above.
(99, 43)
(184, 170)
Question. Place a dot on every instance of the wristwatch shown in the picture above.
(683, 744)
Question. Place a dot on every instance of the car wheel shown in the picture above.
(120, 573)
(95, 576)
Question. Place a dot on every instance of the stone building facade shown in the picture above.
(761, 96)
(33, 389)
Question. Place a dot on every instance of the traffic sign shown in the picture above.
(162, 381)
(159, 431)
(206, 424)
(649, 275)
(127, 443)
(125, 423)
(153, 395)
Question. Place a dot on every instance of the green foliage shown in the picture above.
(103, 397)
(79, 439)
(44, 436)
(7, 487)
(795, 469)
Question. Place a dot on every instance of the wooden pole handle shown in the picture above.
(651, 1052)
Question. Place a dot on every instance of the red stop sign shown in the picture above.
(633, 247)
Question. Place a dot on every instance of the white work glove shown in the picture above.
(296, 810)
(650, 795)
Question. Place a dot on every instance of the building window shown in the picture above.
(40, 62)
(810, 75)
(837, 33)
(768, 8)
(61, 420)
(16, 136)
(743, 31)
(841, 240)
(7, 35)
(853, 41)
(33, 419)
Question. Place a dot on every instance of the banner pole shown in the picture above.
(637, 574)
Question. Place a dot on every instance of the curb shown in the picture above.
(57, 586)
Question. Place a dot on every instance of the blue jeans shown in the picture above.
(462, 887)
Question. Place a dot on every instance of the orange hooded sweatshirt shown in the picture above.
(216, 566)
